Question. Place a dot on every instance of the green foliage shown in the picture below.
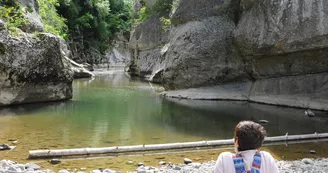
(92, 24)
(160, 6)
(29, 9)
(53, 22)
(175, 5)
(12, 13)
(166, 23)
(142, 15)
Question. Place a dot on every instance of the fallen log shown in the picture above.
(152, 147)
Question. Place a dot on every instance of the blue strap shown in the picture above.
(238, 162)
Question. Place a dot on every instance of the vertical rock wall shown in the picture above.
(274, 50)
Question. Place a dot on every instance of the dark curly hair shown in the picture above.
(250, 135)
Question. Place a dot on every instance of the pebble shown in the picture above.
(312, 151)
(263, 121)
(177, 168)
(141, 164)
(187, 161)
(304, 165)
(109, 171)
(4, 147)
(32, 166)
(141, 169)
(54, 161)
(307, 161)
(161, 163)
(196, 165)
(96, 171)
(130, 162)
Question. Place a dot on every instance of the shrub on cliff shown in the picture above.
(53, 22)
(12, 13)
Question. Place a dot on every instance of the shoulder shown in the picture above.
(225, 155)
(267, 157)
(268, 163)
(224, 163)
(266, 154)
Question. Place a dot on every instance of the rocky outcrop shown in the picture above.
(283, 38)
(119, 54)
(33, 69)
(270, 51)
(201, 53)
(145, 44)
(79, 70)
(198, 50)
(31, 13)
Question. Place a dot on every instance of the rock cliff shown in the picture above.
(119, 54)
(33, 67)
(270, 51)
(31, 8)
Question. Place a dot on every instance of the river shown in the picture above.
(114, 109)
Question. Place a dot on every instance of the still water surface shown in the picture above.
(113, 109)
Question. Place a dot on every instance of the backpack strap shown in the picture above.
(256, 165)
(238, 162)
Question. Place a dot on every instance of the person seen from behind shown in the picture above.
(248, 139)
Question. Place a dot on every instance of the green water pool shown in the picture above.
(113, 109)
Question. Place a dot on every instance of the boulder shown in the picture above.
(201, 53)
(33, 69)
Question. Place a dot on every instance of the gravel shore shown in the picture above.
(297, 166)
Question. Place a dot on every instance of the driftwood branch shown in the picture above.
(153, 147)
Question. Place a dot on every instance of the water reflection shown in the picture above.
(217, 119)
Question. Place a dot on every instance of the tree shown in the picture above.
(92, 25)
(53, 22)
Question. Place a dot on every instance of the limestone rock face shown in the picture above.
(120, 54)
(201, 53)
(31, 8)
(33, 69)
(148, 35)
(192, 10)
(145, 45)
(275, 51)
(281, 38)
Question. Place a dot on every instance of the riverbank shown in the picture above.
(129, 162)
(304, 165)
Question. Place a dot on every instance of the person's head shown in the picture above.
(249, 135)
